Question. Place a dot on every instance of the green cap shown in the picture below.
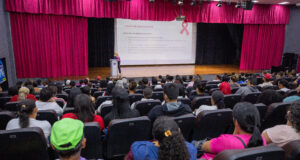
(66, 134)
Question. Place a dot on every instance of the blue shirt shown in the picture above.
(291, 99)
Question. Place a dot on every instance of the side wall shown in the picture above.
(292, 34)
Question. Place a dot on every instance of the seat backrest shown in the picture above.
(158, 89)
(139, 91)
(102, 99)
(145, 106)
(60, 103)
(252, 97)
(292, 150)
(105, 109)
(291, 92)
(135, 97)
(276, 114)
(48, 115)
(185, 101)
(231, 100)
(5, 117)
(93, 149)
(198, 101)
(4, 100)
(25, 143)
(213, 82)
(67, 90)
(93, 90)
(233, 90)
(97, 94)
(11, 106)
(280, 92)
(212, 124)
(3, 94)
(69, 110)
(63, 96)
(186, 123)
(123, 132)
(210, 86)
(255, 153)
(212, 90)
(262, 109)
(158, 95)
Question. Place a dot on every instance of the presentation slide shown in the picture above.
(154, 42)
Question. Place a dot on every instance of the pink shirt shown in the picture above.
(226, 142)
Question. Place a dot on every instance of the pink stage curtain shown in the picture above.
(158, 11)
(49, 46)
(298, 67)
(262, 46)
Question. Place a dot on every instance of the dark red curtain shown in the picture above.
(49, 46)
(262, 46)
(160, 10)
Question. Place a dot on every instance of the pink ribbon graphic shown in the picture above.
(184, 28)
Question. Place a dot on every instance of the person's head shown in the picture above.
(234, 78)
(84, 107)
(279, 75)
(72, 83)
(246, 118)
(269, 96)
(39, 82)
(147, 93)
(252, 81)
(181, 90)
(154, 81)
(86, 81)
(184, 78)
(23, 92)
(171, 92)
(13, 90)
(53, 89)
(46, 94)
(132, 86)
(109, 89)
(200, 88)
(191, 77)
(170, 78)
(282, 83)
(119, 83)
(217, 99)
(86, 90)
(27, 109)
(116, 54)
(103, 83)
(163, 81)
(160, 77)
(67, 138)
(171, 142)
(145, 81)
(267, 77)
(293, 115)
(218, 77)
(225, 78)
(120, 99)
(28, 82)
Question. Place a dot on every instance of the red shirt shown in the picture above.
(97, 119)
(225, 88)
(15, 98)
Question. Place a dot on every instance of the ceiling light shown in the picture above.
(180, 2)
(255, 1)
(284, 3)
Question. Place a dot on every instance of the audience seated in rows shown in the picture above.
(283, 85)
(217, 102)
(234, 81)
(294, 97)
(171, 106)
(250, 88)
(67, 139)
(46, 102)
(269, 96)
(246, 133)
(27, 118)
(147, 93)
(283, 134)
(225, 86)
(23, 94)
(87, 91)
(200, 90)
(53, 88)
(168, 143)
(154, 82)
(84, 111)
(132, 87)
(73, 93)
(267, 81)
(108, 92)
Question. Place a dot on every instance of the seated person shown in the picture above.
(84, 111)
(108, 92)
(53, 88)
(200, 90)
(234, 81)
(267, 81)
(87, 91)
(132, 87)
(269, 96)
(171, 107)
(225, 86)
(246, 132)
(27, 118)
(181, 91)
(283, 85)
(73, 93)
(217, 102)
(283, 134)
(155, 83)
(47, 103)
(294, 97)
(22, 95)
(67, 139)
(121, 106)
(250, 88)
(168, 144)
(147, 93)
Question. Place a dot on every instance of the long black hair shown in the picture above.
(26, 108)
(218, 98)
(171, 142)
(247, 116)
(121, 104)
(84, 108)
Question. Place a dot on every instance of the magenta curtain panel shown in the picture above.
(159, 11)
(49, 45)
(262, 46)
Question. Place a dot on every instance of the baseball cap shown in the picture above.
(68, 82)
(267, 76)
(66, 134)
(98, 77)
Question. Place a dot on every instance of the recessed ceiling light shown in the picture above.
(284, 3)
(255, 1)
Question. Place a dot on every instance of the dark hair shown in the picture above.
(26, 108)
(294, 115)
(31, 89)
(252, 80)
(171, 90)
(201, 87)
(184, 78)
(171, 147)
(145, 81)
(218, 98)
(109, 89)
(28, 82)
(103, 83)
(53, 89)
(163, 80)
(72, 83)
(247, 116)
(160, 76)
(269, 96)
(68, 153)
(13, 90)
(84, 108)
(225, 78)
(181, 90)
(147, 92)
(219, 77)
(132, 86)
(234, 78)
(170, 78)
(46, 94)
(39, 82)
(154, 81)
(86, 90)
(284, 82)
(121, 105)
(34, 84)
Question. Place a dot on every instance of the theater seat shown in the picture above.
(211, 86)
(212, 90)
(93, 149)
(102, 99)
(105, 109)
(185, 101)
(48, 115)
(5, 117)
(11, 106)
(60, 103)
(186, 123)
(63, 96)
(213, 82)
(158, 95)
(252, 97)
(262, 109)
(276, 114)
(292, 150)
(145, 106)
(139, 91)
(97, 94)
(255, 153)
(93, 90)
(135, 97)
(231, 100)
(291, 92)
(280, 92)
(21, 144)
(4, 100)
(198, 101)
(212, 124)
(69, 110)
(233, 90)
(123, 132)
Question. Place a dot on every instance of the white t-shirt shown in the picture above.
(282, 134)
(205, 108)
(41, 106)
(284, 89)
(44, 125)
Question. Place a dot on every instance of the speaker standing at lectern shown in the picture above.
(116, 56)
